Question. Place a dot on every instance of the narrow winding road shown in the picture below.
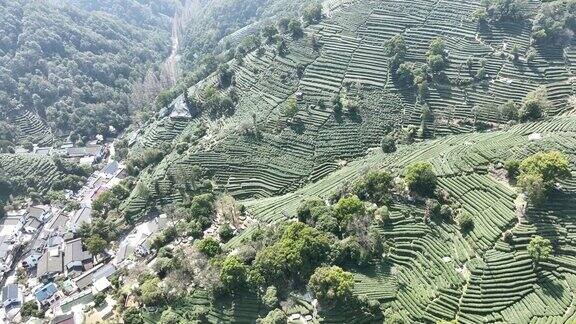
(181, 17)
(171, 65)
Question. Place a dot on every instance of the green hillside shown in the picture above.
(292, 126)
(256, 149)
(431, 270)
(344, 161)
(440, 274)
(67, 68)
(28, 175)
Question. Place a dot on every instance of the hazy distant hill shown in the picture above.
(69, 68)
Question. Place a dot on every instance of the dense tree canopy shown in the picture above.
(331, 284)
(211, 23)
(555, 22)
(539, 172)
(31, 309)
(420, 178)
(535, 105)
(465, 221)
(539, 248)
(275, 316)
(209, 246)
(351, 207)
(436, 56)
(233, 273)
(73, 65)
(132, 316)
(502, 10)
(396, 49)
(299, 251)
(375, 187)
(96, 245)
(150, 292)
(313, 13)
(552, 165)
(388, 144)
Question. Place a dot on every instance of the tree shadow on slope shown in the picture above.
(297, 126)
(444, 90)
(408, 94)
(378, 269)
(554, 216)
(551, 287)
(354, 115)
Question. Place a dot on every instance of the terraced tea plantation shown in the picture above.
(349, 60)
(432, 271)
(27, 173)
(307, 121)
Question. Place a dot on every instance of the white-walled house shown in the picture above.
(41, 212)
(31, 260)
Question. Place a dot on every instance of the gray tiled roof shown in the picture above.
(49, 264)
(58, 222)
(105, 271)
(82, 215)
(9, 291)
(84, 281)
(33, 222)
(111, 168)
(36, 212)
(83, 151)
(73, 252)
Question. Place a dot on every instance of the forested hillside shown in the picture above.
(215, 25)
(369, 161)
(343, 161)
(67, 68)
(293, 105)
(148, 14)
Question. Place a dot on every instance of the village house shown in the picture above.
(47, 294)
(17, 214)
(11, 296)
(6, 257)
(43, 150)
(101, 285)
(10, 239)
(40, 212)
(68, 287)
(111, 170)
(64, 319)
(57, 224)
(85, 155)
(20, 150)
(98, 188)
(10, 227)
(50, 264)
(32, 225)
(83, 215)
(76, 260)
(31, 260)
(83, 297)
(137, 241)
(89, 277)
(55, 240)
(40, 242)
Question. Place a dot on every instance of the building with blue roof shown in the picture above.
(47, 294)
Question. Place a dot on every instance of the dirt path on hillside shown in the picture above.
(182, 16)
(171, 64)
